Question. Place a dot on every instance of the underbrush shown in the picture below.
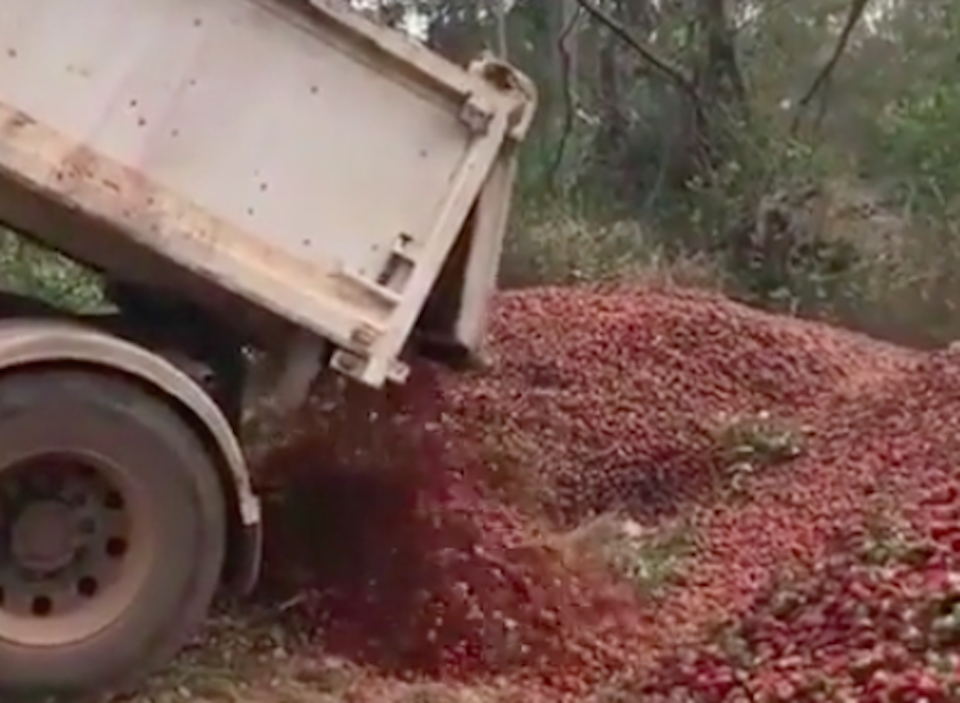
(560, 248)
(883, 273)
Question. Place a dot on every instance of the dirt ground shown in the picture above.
(245, 657)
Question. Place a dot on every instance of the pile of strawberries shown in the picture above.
(875, 621)
(610, 396)
(863, 626)
(417, 530)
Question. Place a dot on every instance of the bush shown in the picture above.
(29, 269)
(560, 248)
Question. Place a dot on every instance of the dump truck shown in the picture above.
(279, 175)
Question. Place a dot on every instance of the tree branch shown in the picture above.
(855, 13)
(499, 10)
(568, 97)
(674, 73)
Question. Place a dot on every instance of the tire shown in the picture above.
(175, 499)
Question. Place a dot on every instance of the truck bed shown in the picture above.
(284, 162)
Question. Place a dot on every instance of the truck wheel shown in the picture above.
(112, 532)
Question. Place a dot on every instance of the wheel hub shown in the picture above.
(43, 537)
(64, 536)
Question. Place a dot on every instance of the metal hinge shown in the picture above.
(393, 276)
(476, 115)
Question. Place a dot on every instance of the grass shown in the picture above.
(651, 559)
(242, 673)
(748, 444)
(251, 659)
(564, 249)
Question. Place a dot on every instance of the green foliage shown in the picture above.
(29, 269)
(558, 247)
(767, 193)
(748, 444)
(921, 147)
(648, 559)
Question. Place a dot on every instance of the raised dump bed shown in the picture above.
(278, 173)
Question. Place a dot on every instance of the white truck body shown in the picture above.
(287, 163)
